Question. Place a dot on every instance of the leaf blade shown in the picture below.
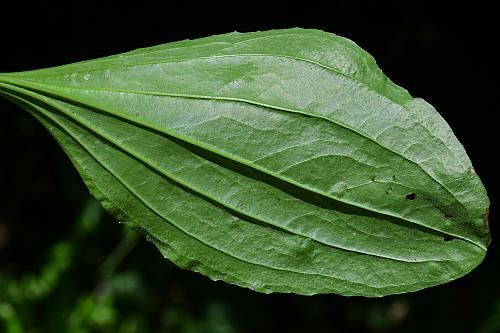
(259, 148)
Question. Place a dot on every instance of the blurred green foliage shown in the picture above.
(58, 298)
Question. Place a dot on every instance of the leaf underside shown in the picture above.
(281, 161)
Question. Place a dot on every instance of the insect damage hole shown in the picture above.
(447, 238)
(411, 196)
(448, 216)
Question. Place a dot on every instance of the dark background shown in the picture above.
(66, 266)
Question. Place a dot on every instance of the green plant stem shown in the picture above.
(119, 253)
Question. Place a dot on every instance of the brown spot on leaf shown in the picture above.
(484, 217)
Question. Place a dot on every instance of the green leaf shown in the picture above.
(281, 161)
